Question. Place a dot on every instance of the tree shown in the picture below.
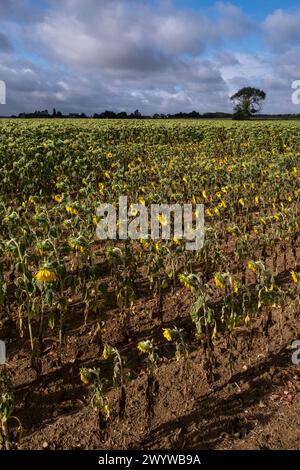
(122, 115)
(137, 114)
(247, 101)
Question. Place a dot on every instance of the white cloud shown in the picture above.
(232, 22)
(282, 29)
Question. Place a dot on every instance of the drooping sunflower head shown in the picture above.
(167, 334)
(294, 277)
(145, 346)
(219, 280)
(107, 352)
(85, 376)
(252, 266)
(71, 210)
(45, 275)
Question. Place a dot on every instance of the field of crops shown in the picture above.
(130, 344)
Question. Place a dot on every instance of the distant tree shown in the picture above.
(159, 116)
(137, 114)
(194, 115)
(54, 112)
(108, 115)
(247, 101)
(122, 115)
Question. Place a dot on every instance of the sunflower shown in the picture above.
(167, 334)
(71, 210)
(235, 287)
(252, 266)
(75, 245)
(84, 376)
(106, 412)
(144, 346)
(106, 352)
(57, 198)
(45, 275)
(218, 281)
(294, 277)
(101, 189)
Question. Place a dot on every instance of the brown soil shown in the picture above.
(252, 401)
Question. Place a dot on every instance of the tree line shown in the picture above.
(247, 102)
(122, 115)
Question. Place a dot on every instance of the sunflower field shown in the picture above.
(120, 343)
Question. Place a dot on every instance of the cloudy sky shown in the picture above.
(154, 55)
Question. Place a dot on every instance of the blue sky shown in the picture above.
(155, 55)
(257, 9)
